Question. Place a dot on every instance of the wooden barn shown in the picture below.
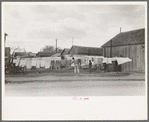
(87, 51)
(128, 44)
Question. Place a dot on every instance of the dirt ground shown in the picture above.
(46, 74)
(66, 83)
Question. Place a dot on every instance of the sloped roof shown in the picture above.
(87, 50)
(25, 54)
(43, 54)
(127, 38)
(65, 51)
(21, 53)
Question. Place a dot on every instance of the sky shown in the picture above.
(33, 26)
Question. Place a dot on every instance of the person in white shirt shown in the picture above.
(76, 65)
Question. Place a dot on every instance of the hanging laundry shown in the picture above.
(86, 61)
(23, 62)
(47, 63)
(28, 63)
(122, 60)
(34, 62)
(38, 63)
(16, 61)
(42, 63)
(109, 60)
(95, 60)
(104, 60)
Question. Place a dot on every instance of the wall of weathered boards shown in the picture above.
(134, 52)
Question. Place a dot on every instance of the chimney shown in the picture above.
(120, 29)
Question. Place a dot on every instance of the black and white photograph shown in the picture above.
(71, 53)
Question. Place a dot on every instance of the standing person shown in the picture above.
(76, 66)
(90, 66)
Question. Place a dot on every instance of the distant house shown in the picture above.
(43, 54)
(128, 44)
(24, 54)
(88, 51)
(65, 52)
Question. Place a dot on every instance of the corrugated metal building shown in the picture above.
(128, 44)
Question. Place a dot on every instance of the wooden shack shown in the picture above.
(128, 44)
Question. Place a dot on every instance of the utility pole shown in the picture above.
(56, 45)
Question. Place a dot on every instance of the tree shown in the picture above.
(59, 50)
(51, 49)
(16, 49)
(48, 49)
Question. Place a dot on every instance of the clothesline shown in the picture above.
(51, 61)
(120, 60)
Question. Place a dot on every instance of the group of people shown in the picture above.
(76, 66)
